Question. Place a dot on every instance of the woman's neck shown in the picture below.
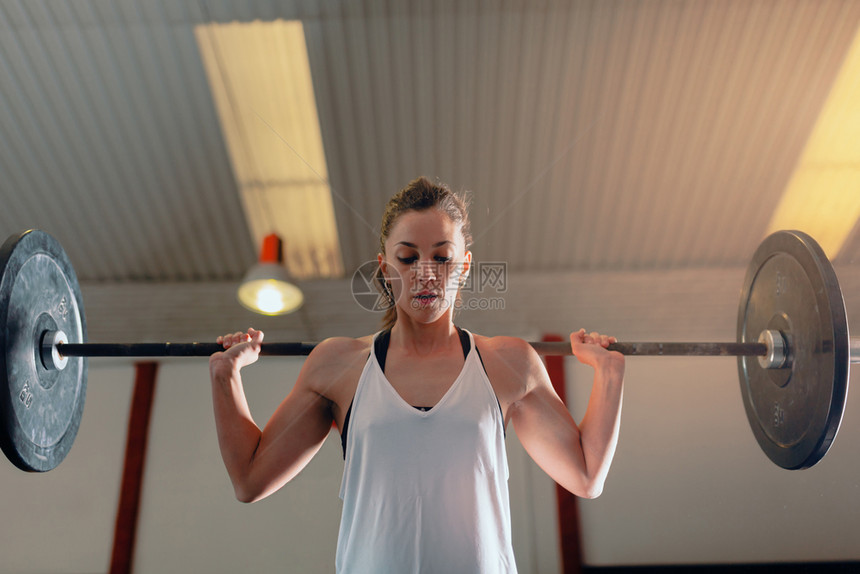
(424, 339)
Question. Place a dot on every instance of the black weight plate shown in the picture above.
(794, 412)
(41, 409)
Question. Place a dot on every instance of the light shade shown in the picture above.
(266, 288)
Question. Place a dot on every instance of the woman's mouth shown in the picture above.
(425, 298)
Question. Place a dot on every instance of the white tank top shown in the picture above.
(425, 491)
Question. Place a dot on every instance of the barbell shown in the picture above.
(792, 348)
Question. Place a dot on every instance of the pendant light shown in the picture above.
(266, 288)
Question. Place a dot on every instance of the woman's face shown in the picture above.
(425, 259)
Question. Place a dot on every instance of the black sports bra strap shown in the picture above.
(380, 345)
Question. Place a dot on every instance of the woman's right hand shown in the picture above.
(240, 350)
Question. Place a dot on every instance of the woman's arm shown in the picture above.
(577, 457)
(259, 462)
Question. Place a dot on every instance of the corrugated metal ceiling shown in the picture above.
(613, 135)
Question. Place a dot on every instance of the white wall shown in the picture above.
(191, 521)
(689, 483)
(63, 520)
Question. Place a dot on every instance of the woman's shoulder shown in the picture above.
(336, 351)
(335, 362)
(505, 346)
(338, 345)
(511, 364)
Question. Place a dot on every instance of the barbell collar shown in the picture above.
(777, 349)
(854, 350)
(52, 360)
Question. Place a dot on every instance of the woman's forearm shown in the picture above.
(599, 428)
(238, 434)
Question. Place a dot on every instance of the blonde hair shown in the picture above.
(419, 195)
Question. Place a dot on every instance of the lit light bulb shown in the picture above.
(266, 288)
(270, 296)
(269, 299)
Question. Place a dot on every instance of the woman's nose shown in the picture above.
(426, 271)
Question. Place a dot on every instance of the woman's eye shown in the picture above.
(407, 260)
(443, 259)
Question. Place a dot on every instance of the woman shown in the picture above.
(422, 408)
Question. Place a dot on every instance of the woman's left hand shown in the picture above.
(591, 348)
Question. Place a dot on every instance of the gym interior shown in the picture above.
(624, 159)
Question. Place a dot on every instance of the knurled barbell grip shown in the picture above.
(294, 349)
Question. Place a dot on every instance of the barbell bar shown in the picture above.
(792, 347)
(771, 352)
(52, 348)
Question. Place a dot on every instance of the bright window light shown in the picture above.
(823, 196)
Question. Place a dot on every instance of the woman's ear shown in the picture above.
(383, 265)
(466, 266)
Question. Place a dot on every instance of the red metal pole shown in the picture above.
(132, 476)
(568, 513)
